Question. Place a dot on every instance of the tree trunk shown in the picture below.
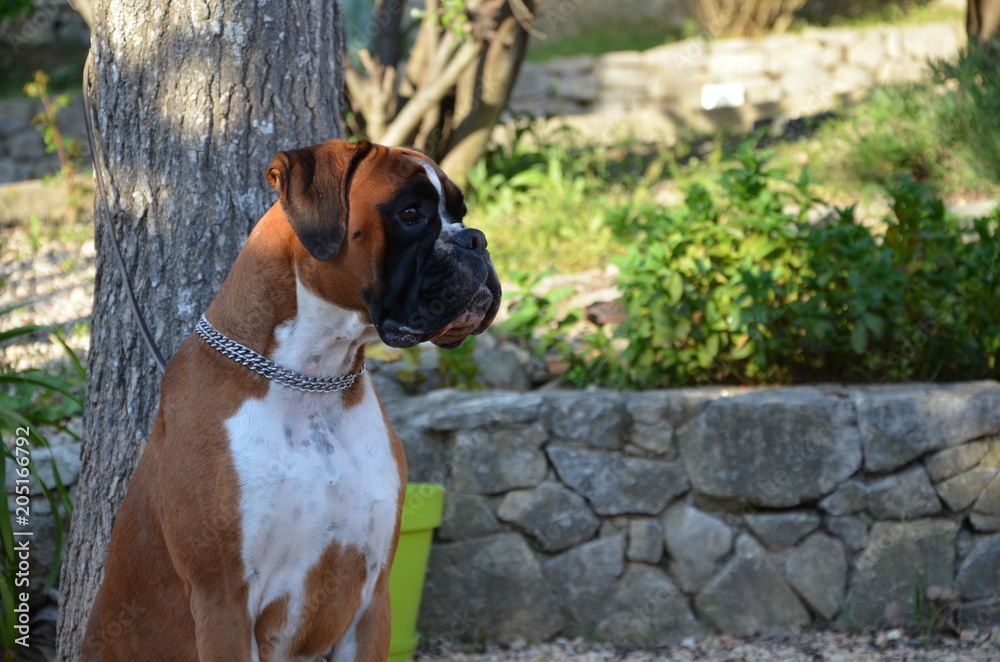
(983, 19)
(453, 86)
(388, 41)
(192, 101)
(85, 8)
(483, 96)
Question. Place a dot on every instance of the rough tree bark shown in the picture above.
(983, 19)
(192, 99)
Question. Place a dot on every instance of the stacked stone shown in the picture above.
(795, 75)
(647, 518)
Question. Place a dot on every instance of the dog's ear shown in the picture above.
(314, 185)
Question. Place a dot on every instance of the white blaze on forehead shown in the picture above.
(448, 224)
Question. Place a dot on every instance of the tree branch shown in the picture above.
(430, 93)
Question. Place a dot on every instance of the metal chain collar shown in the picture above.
(268, 368)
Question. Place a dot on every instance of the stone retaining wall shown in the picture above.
(647, 518)
(795, 74)
(651, 517)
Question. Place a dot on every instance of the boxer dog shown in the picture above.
(262, 519)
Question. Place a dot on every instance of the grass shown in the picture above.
(594, 40)
(558, 231)
(541, 200)
(867, 13)
(870, 146)
(57, 230)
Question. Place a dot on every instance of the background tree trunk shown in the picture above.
(480, 98)
(983, 19)
(388, 18)
(449, 93)
(193, 100)
(85, 8)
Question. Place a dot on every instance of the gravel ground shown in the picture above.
(815, 646)
(54, 283)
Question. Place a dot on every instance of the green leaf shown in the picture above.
(675, 287)
(19, 331)
(682, 328)
(712, 346)
(859, 338)
(558, 294)
(528, 179)
(43, 381)
(874, 323)
(744, 352)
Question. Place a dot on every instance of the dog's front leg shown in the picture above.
(222, 626)
(368, 640)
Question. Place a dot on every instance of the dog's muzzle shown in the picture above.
(458, 295)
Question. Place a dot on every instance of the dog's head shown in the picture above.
(381, 233)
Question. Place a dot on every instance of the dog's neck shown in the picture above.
(264, 305)
(322, 339)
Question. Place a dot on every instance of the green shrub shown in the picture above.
(739, 287)
(12, 9)
(29, 401)
(895, 133)
(459, 368)
(968, 114)
(535, 319)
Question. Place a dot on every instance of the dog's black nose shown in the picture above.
(469, 238)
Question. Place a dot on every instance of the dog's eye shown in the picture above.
(409, 215)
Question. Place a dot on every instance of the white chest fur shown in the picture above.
(311, 473)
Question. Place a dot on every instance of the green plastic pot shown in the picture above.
(422, 510)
